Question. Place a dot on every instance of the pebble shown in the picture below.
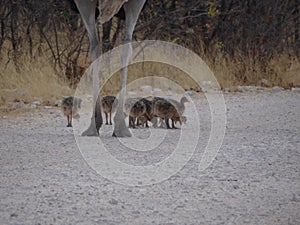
(170, 93)
(157, 90)
(14, 215)
(191, 93)
(113, 201)
(36, 102)
(226, 90)
(265, 83)
(296, 89)
(206, 83)
(56, 113)
(247, 88)
(32, 106)
(58, 102)
(146, 88)
(19, 104)
(132, 93)
(37, 99)
(277, 89)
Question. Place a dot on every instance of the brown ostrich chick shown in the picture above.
(137, 110)
(169, 109)
(108, 106)
(70, 107)
(148, 115)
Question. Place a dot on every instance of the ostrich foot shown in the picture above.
(121, 130)
(121, 133)
(93, 130)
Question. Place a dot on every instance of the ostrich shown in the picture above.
(108, 8)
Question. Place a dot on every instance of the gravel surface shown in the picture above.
(255, 178)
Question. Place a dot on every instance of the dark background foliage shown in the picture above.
(237, 30)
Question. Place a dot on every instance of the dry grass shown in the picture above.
(35, 79)
(149, 73)
(282, 70)
(39, 79)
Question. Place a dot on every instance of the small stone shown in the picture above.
(206, 83)
(56, 113)
(37, 99)
(240, 88)
(226, 90)
(36, 103)
(58, 102)
(136, 212)
(18, 104)
(146, 88)
(33, 106)
(191, 93)
(131, 93)
(14, 215)
(265, 83)
(170, 93)
(113, 201)
(277, 89)
(76, 116)
(52, 100)
(296, 89)
(157, 90)
(246, 88)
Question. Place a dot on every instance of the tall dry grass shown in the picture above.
(33, 78)
(38, 78)
(149, 73)
(281, 70)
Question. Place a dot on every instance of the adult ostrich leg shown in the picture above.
(108, 8)
(87, 11)
(132, 10)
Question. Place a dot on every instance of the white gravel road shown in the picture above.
(255, 178)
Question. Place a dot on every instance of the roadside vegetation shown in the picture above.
(251, 42)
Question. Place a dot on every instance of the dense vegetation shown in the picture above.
(246, 36)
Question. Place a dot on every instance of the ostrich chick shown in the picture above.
(108, 106)
(70, 107)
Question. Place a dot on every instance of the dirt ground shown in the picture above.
(255, 178)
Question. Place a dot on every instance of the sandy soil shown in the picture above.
(255, 178)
